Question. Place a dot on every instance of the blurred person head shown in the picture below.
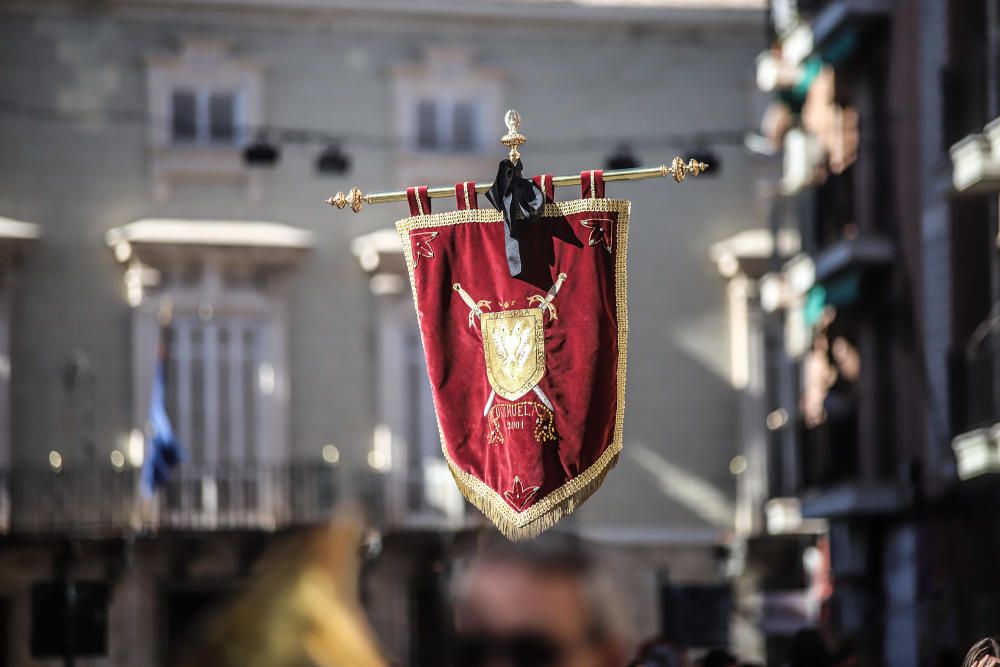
(808, 649)
(718, 657)
(984, 653)
(542, 603)
(659, 652)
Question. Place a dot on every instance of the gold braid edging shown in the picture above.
(499, 512)
(564, 500)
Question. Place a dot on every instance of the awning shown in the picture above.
(380, 255)
(750, 251)
(18, 230)
(375, 248)
(15, 235)
(268, 242)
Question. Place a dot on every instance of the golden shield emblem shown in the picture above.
(514, 344)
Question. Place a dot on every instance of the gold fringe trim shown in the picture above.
(519, 532)
(519, 526)
(545, 513)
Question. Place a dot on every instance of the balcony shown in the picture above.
(976, 161)
(97, 501)
(849, 255)
(975, 410)
(832, 478)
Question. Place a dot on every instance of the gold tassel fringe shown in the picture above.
(492, 505)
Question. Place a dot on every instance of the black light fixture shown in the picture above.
(333, 161)
(622, 158)
(261, 153)
(709, 157)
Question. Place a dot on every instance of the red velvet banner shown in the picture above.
(527, 373)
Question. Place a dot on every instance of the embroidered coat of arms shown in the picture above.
(527, 373)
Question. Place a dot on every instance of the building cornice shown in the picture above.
(659, 13)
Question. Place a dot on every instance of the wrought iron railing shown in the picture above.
(98, 499)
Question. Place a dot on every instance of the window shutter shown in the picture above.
(184, 116)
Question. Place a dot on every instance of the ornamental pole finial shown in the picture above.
(354, 198)
(678, 170)
(513, 138)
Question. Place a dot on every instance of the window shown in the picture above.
(204, 117)
(420, 486)
(56, 605)
(446, 105)
(203, 103)
(427, 130)
(16, 239)
(423, 441)
(464, 126)
(222, 118)
(184, 114)
(217, 380)
(447, 126)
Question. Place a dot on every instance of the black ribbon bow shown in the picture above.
(521, 202)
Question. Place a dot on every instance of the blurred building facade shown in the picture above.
(295, 376)
(869, 418)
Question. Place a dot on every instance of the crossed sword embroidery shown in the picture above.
(514, 345)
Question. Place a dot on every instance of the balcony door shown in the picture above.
(226, 395)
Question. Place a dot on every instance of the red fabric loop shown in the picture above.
(465, 195)
(544, 183)
(420, 203)
(592, 184)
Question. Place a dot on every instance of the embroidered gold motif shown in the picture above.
(518, 495)
(514, 346)
(601, 231)
(422, 245)
(545, 302)
(515, 416)
(475, 307)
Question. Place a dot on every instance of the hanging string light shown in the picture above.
(261, 152)
(265, 149)
(622, 158)
(333, 161)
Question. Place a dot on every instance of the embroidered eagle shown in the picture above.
(512, 346)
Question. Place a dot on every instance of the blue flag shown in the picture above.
(163, 451)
